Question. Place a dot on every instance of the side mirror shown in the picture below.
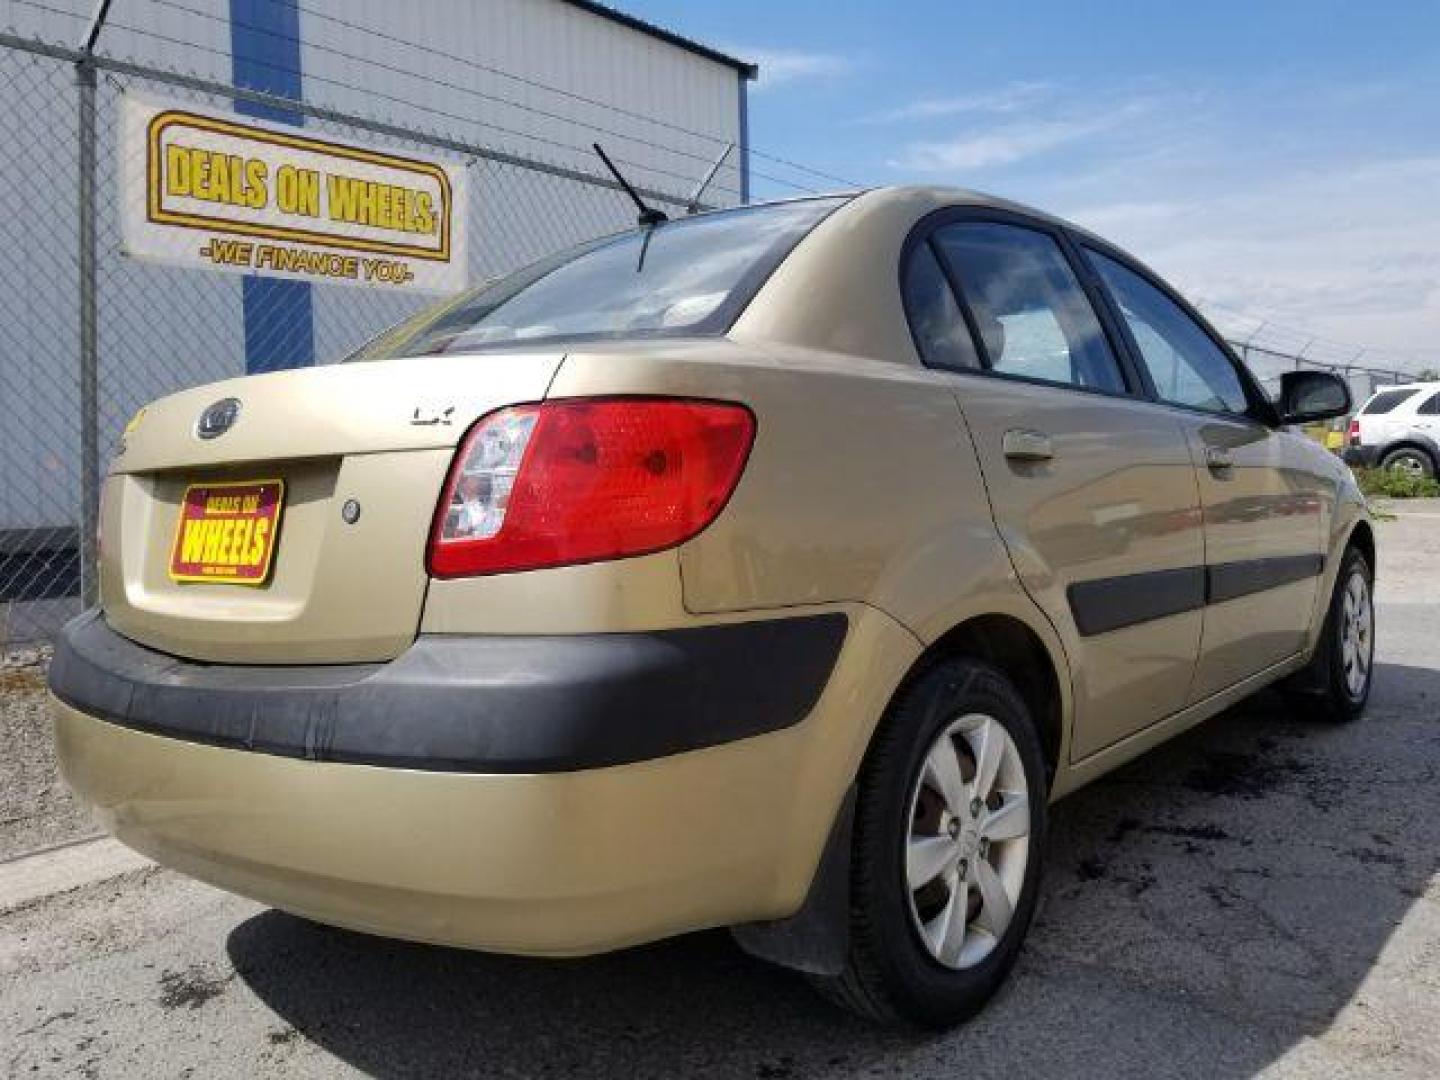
(1307, 396)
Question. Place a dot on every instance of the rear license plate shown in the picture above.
(226, 532)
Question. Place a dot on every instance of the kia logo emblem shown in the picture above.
(218, 418)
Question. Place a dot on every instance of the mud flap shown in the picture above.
(816, 939)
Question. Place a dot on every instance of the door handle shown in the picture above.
(1022, 444)
(1217, 458)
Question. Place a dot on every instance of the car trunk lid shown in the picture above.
(355, 455)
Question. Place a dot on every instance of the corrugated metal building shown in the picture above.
(537, 79)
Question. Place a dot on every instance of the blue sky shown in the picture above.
(1278, 160)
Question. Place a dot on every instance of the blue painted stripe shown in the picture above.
(744, 138)
(265, 55)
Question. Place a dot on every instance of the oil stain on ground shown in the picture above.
(191, 988)
(1245, 776)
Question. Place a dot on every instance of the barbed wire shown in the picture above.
(561, 91)
(371, 92)
(585, 151)
(1265, 333)
(703, 159)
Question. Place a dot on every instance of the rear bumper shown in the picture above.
(540, 861)
(1363, 457)
(548, 865)
(489, 704)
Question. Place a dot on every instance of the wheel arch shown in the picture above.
(1019, 651)
(816, 938)
(1411, 441)
(1362, 536)
(1353, 528)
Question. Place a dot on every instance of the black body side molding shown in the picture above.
(1106, 604)
(1226, 581)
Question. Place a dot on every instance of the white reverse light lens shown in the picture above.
(482, 490)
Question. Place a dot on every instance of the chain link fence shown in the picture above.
(39, 344)
(1270, 364)
(88, 335)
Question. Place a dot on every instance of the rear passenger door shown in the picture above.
(1093, 490)
(1385, 416)
(1262, 488)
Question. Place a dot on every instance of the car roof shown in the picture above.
(938, 197)
(838, 290)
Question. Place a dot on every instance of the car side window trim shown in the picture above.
(1137, 375)
(948, 272)
(1260, 411)
(923, 233)
(908, 262)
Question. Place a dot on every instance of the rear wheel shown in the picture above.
(949, 831)
(1336, 684)
(1411, 461)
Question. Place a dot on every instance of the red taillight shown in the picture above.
(1354, 435)
(583, 480)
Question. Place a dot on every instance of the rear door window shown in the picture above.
(1431, 407)
(1030, 312)
(1386, 401)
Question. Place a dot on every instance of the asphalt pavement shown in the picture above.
(1258, 897)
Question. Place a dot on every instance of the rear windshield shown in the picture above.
(685, 277)
(1386, 400)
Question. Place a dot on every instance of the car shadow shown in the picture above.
(1207, 908)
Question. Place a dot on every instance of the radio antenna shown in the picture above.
(694, 204)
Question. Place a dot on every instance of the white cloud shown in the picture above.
(1003, 145)
(1007, 99)
(779, 67)
(1108, 217)
(1069, 122)
(1340, 259)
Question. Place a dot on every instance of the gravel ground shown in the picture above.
(36, 809)
(1256, 898)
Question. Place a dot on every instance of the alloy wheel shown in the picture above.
(1357, 634)
(969, 840)
(1409, 464)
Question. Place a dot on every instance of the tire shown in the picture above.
(892, 973)
(1411, 460)
(1335, 685)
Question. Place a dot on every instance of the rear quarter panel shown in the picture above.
(862, 487)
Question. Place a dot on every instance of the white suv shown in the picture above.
(1398, 428)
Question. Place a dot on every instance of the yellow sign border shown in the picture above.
(250, 583)
(157, 215)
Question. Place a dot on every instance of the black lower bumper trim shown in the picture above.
(491, 704)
